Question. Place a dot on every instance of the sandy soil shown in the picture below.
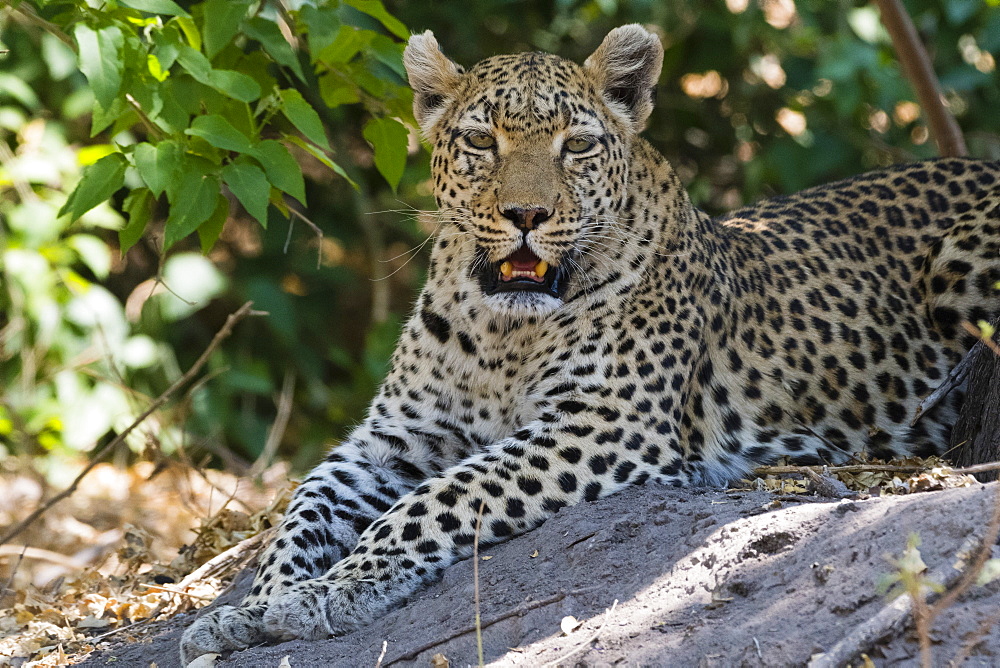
(701, 578)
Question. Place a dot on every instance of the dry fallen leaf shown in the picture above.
(533, 554)
(204, 661)
(284, 662)
(569, 624)
(439, 661)
(487, 558)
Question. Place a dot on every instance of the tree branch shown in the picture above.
(917, 67)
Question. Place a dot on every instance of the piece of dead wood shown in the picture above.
(158, 403)
(955, 378)
(225, 561)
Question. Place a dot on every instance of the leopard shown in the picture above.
(583, 327)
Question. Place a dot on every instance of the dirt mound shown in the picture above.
(701, 577)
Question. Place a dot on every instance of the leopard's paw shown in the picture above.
(312, 610)
(221, 630)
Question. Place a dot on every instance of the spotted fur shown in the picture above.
(677, 348)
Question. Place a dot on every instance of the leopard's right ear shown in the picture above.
(432, 76)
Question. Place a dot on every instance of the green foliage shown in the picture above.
(218, 117)
(204, 84)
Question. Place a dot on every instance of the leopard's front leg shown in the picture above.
(523, 480)
(331, 508)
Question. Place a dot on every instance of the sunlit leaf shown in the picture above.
(281, 169)
(156, 7)
(376, 9)
(322, 157)
(269, 35)
(222, 22)
(389, 139)
(209, 231)
(196, 200)
(99, 182)
(139, 206)
(101, 60)
(228, 82)
(158, 164)
(303, 117)
(220, 133)
(251, 188)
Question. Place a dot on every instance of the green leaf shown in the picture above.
(194, 202)
(319, 155)
(234, 84)
(139, 207)
(158, 164)
(348, 43)
(303, 117)
(220, 133)
(322, 25)
(376, 9)
(209, 231)
(269, 35)
(251, 188)
(190, 31)
(100, 60)
(227, 82)
(282, 170)
(222, 22)
(389, 139)
(99, 182)
(156, 7)
(336, 90)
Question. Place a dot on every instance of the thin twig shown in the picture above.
(172, 590)
(955, 378)
(277, 431)
(920, 73)
(475, 581)
(585, 644)
(378, 663)
(318, 232)
(13, 572)
(160, 401)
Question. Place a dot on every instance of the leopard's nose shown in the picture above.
(526, 218)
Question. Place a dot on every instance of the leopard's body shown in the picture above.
(657, 345)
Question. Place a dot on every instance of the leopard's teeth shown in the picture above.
(507, 269)
(541, 268)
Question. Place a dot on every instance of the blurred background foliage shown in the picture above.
(757, 97)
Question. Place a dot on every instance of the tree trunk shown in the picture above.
(976, 436)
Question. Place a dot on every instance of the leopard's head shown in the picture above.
(531, 161)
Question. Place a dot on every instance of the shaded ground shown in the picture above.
(702, 578)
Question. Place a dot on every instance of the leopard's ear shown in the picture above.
(432, 76)
(626, 67)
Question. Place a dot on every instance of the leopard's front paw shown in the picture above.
(314, 609)
(221, 630)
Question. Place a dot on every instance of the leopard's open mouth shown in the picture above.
(521, 271)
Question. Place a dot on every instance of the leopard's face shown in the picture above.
(530, 172)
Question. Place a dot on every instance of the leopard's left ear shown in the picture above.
(626, 67)
(433, 78)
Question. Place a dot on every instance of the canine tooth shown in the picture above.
(507, 269)
(541, 268)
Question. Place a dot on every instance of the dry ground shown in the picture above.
(701, 578)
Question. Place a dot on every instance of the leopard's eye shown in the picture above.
(578, 145)
(481, 140)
